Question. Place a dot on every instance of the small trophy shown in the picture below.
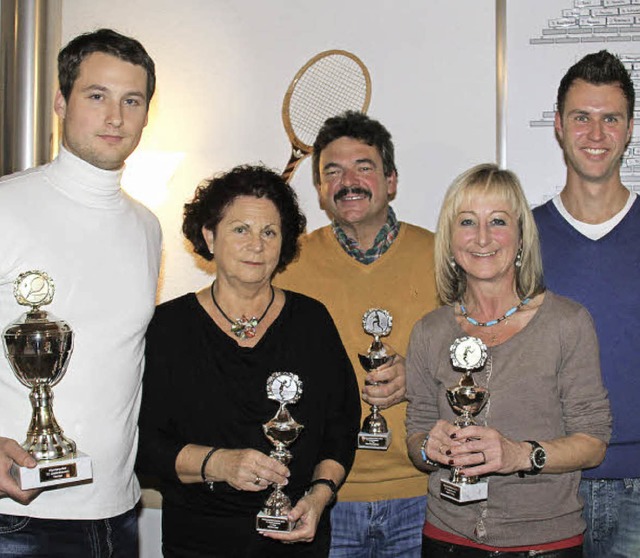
(375, 434)
(282, 430)
(38, 347)
(466, 399)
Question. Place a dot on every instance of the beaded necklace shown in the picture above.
(490, 323)
(243, 327)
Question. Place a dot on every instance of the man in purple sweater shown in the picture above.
(590, 235)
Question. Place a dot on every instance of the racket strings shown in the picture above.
(331, 86)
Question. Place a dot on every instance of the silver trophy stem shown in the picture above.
(376, 346)
(45, 439)
(375, 423)
(465, 419)
(278, 504)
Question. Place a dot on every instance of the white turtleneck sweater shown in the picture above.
(102, 249)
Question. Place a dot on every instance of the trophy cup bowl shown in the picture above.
(370, 362)
(38, 347)
(282, 430)
(466, 399)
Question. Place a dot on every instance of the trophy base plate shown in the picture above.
(370, 441)
(463, 493)
(273, 523)
(54, 472)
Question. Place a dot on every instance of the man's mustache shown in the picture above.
(355, 190)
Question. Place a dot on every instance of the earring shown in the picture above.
(452, 263)
(518, 262)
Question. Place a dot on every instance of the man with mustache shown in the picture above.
(368, 259)
(590, 238)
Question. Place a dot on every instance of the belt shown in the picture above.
(432, 548)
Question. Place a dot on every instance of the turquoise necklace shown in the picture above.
(508, 313)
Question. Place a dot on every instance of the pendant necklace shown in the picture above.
(243, 327)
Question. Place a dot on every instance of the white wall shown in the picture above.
(224, 65)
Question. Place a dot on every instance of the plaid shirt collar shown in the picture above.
(381, 244)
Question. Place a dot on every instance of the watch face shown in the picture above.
(468, 353)
(284, 387)
(538, 458)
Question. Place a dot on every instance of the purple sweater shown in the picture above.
(604, 276)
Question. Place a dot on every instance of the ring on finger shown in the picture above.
(440, 449)
(257, 480)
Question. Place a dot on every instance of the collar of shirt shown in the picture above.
(385, 237)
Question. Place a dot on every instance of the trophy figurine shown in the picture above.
(375, 434)
(38, 346)
(282, 430)
(466, 399)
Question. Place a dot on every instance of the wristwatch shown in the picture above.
(538, 458)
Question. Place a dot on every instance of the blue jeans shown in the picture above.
(612, 513)
(384, 529)
(116, 537)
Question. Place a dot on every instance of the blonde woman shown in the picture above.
(547, 416)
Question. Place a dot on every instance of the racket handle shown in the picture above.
(297, 155)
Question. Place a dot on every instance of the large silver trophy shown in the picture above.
(282, 430)
(467, 399)
(375, 434)
(38, 347)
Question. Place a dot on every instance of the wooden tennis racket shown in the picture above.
(330, 83)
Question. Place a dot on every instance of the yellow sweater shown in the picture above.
(400, 281)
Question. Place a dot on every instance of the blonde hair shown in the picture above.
(486, 179)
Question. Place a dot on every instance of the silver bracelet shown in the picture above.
(423, 452)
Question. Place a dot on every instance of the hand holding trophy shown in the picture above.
(282, 430)
(466, 399)
(375, 434)
(38, 347)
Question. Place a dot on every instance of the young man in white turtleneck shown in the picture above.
(71, 219)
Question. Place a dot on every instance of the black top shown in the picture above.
(200, 387)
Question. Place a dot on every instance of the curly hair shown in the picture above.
(214, 196)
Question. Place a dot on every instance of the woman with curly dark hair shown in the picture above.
(212, 361)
